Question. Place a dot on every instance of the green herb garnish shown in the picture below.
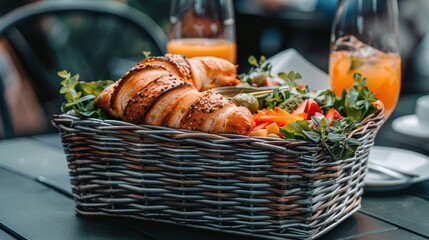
(284, 99)
(277, 97)
(358, 99)
(260, 75)
(290, 104)
(80, 96)
(290, 78)
(259, 72)
(146, 54)
(290, 97)
(333, 137)
(354, 105)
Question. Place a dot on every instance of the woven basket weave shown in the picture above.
(261, 187)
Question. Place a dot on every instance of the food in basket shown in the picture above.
(260, 74)
(203, 72)
(246, 100)
(292, 111)
(163, 91)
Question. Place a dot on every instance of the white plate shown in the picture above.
(409, 125)
(396, 158)
(290, 59)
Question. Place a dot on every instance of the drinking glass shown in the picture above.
(365, 40)
(202, 28)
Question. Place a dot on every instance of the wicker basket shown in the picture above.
(268, 188)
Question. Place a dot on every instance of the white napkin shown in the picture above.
(291, 60)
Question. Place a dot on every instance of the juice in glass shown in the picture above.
(383, 71)
(195, 47)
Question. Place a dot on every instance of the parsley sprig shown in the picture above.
(260, 74)
(80, 96)
(355, 103)
(333, 137)
(284, 99)
(289, 97)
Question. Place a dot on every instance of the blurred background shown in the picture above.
(102, 47)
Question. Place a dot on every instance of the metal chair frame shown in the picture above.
(47, 8)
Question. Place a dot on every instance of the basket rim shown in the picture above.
(112, 124)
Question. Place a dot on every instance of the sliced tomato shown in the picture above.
(313, 108)
(302, 107)
(319, 115)
(310, 107)
(332, 114)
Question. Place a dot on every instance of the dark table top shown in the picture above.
(36, 203)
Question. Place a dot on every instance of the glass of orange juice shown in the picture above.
(202, 28)
(365, 40)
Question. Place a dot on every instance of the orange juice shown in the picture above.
(382, 70)
(195, 47)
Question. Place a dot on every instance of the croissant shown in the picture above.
(164, 91)
(203, 72)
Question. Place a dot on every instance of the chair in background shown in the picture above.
(97, 39)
